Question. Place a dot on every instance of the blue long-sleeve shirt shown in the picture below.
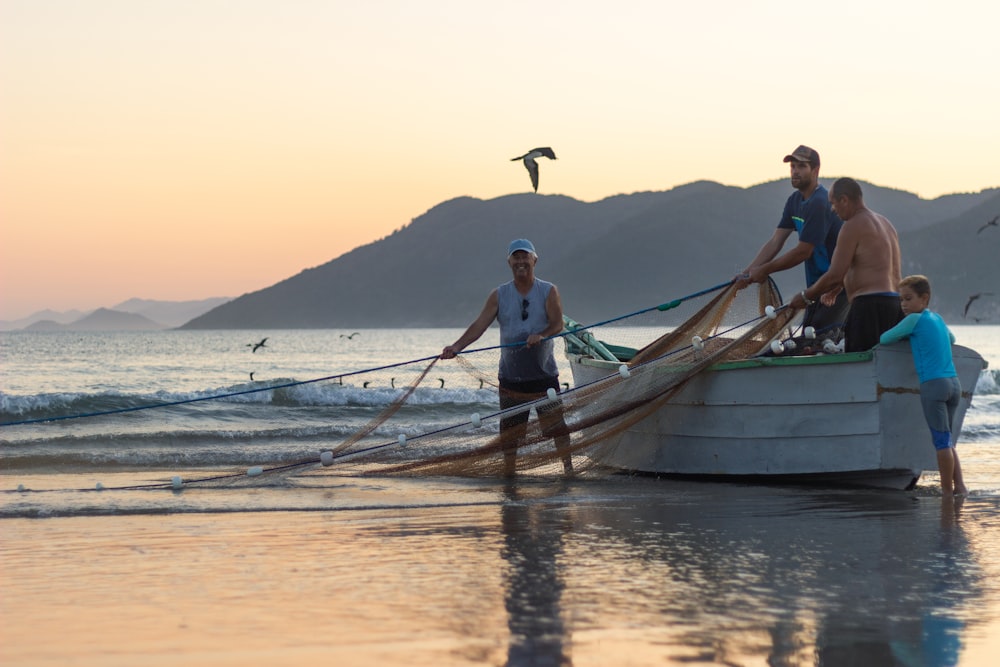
(930, 341)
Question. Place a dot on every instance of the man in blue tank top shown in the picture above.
(808, 213)
(529, 311)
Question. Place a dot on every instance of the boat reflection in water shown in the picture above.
(671, 571)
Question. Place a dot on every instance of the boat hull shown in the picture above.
(836, 419)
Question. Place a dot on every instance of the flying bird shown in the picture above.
(351, 337)
(995, 222)
(257, 346)
(531, 165)
(973, 298)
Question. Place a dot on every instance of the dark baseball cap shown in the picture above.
(804, 154)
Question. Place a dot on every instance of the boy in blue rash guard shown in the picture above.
(940, 390)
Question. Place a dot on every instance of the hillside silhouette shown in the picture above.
(131, 315)
(608, 257)
(102, 319)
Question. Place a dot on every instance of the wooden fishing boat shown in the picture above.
(832, 418)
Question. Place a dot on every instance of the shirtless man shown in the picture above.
(865, 264)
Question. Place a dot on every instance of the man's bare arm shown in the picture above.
(767, 252)
(793, 257)
(840, 263)
(477, 328)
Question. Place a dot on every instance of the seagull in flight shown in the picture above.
(531, 165)
(973, 298)
(351, 337)
(995, 222)
(257, 346)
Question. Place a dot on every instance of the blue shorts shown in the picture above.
(939, 399)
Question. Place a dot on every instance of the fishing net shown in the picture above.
(576, 428)
(646, 357)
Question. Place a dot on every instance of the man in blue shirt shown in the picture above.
(807, 212)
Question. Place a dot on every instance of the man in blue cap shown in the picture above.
(529, 311)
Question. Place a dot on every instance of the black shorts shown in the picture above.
(517, 393)
(870, 316)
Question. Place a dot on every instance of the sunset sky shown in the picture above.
(186, 149)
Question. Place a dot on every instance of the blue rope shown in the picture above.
(384, 445)
(213, 396)
(661, 307)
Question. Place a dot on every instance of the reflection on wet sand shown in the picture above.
(725, 574)
(533, 578)
(851, 578)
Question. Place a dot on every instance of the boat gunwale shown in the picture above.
(754, 362)
(764, 362)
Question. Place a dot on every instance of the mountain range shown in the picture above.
(609, 257)
(131, 315)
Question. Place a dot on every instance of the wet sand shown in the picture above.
(440, 572)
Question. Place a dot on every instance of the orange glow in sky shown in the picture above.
(186, 149)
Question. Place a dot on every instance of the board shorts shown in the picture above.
(513, 394)
(869, 317)
(939, 398)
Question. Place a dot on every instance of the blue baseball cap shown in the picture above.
(521, 244)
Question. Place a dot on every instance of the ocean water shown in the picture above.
(539, 570)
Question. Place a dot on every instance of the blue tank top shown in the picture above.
(519, 317)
